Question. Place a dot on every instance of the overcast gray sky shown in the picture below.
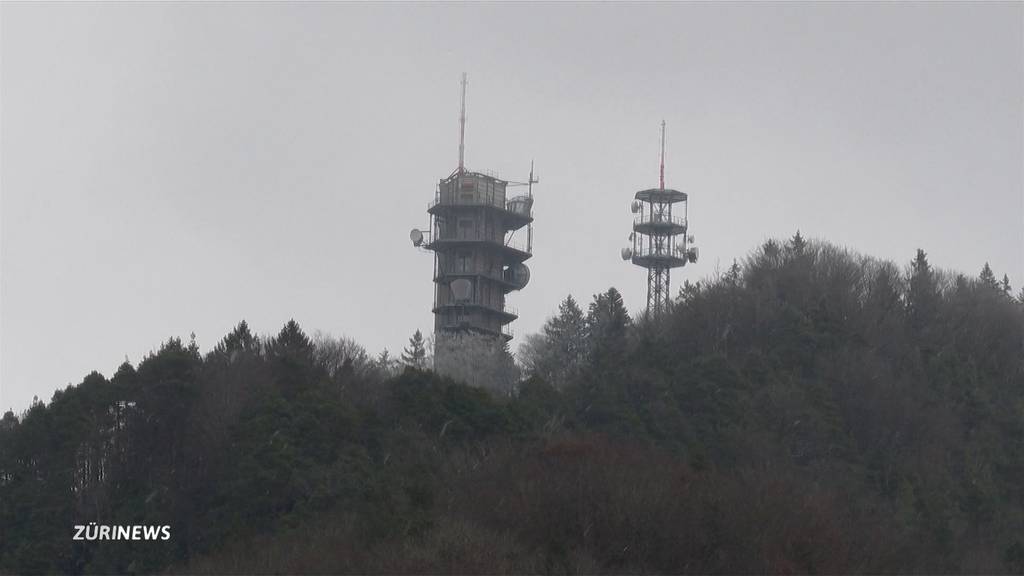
(175, 168)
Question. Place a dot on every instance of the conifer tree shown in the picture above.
(415, 354)
(732, 277)
(988, 278)
(561, 347)
(567, 332)
(293, 355)
(239, 340)
(384, 362)
(923, 292)
(797, 243)
(688, 291)
(607, 325)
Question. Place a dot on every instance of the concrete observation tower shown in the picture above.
(481, 235)
(659, 241)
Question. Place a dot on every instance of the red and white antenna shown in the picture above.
(662, 176)
(462, 126)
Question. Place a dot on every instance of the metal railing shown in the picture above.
(476, 200)
(507, 309)
(454, 200)
(666, 250)
(505, 331)
(453, 271)
(659, 219)
(520, 244)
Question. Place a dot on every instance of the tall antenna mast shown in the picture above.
(660, 241)
(529, 227)
(462, 126)
(531, 182)
(662, 177)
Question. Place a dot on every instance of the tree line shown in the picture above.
(810, 409)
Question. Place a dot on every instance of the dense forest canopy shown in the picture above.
(809, 410)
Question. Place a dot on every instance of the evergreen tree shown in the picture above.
(415, 354)
(384, 362)
(1005, 285)
(607, 326)
(567, 333)
(988, 278)
(797, 244)
(292, 340)
(688, 291)
(561, 348)
(292, 356)
(239, 340)
(732, 277)
(193, 346)
(923, 291)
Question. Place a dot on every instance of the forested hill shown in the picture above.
(811, 410)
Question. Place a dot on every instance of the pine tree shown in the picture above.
(1006, 286)
(567, 333)
(732, 277)
(415, 355)
(797, 243)
(561, 347)
(384, 362)
(292, 353)
(292, 337)
(923, 291)
(988, 278)
(239, 340)
(607, 325)
(193, 347)
(688, 291)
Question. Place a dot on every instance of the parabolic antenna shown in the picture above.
(521, 205)
(635, 206)
(461, 289)
(518, 275)
(416, 236)
(627, 253)
(692, 254)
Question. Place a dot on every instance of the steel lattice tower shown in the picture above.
(659, 238)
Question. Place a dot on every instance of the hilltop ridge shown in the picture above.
(809, 410)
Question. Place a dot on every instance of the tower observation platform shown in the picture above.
(659, 241)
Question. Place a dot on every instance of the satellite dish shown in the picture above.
(692, 254)
(690, 238)
(626, 253)
(518, 275)
(635, 206)
(521, 205)
(416, 236)
(632, 235)
(461, 289)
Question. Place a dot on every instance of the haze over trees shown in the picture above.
(809, 410)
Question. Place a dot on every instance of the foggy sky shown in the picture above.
(175, 168)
